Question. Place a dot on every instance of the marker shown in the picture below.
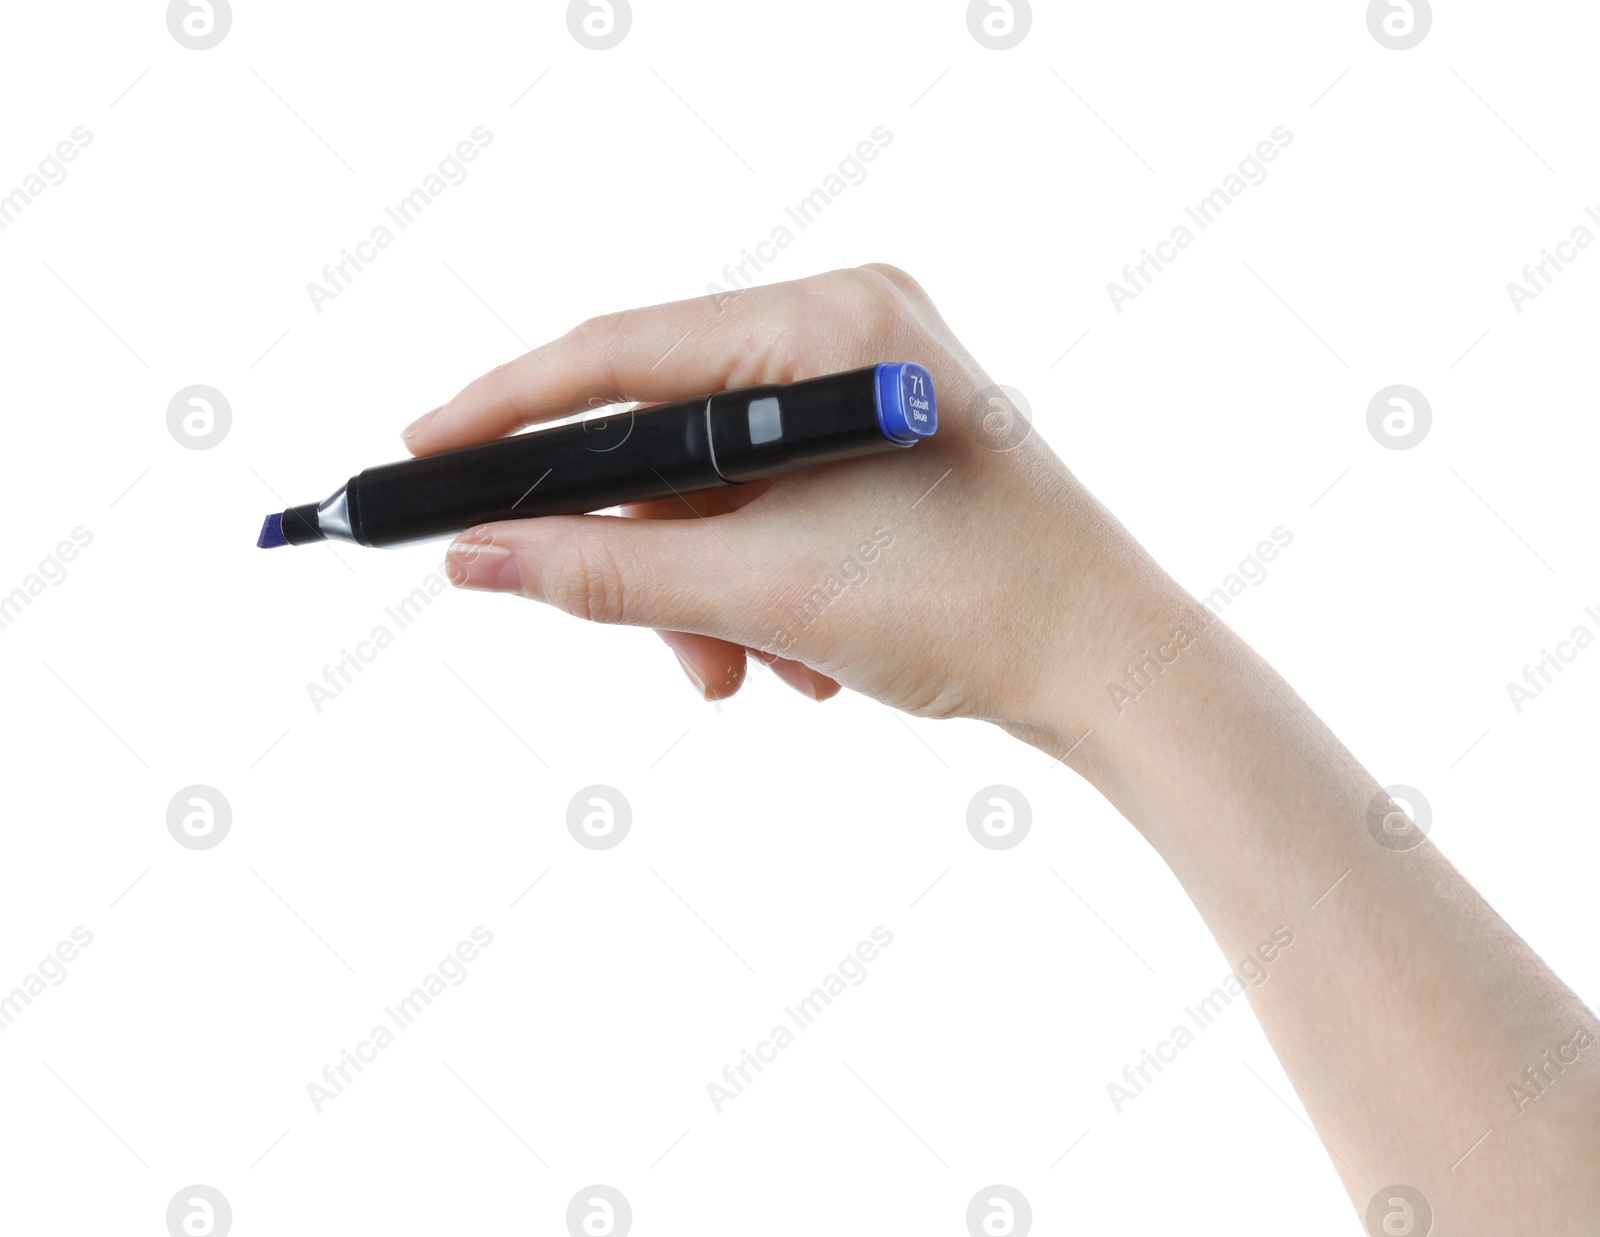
(625, 457)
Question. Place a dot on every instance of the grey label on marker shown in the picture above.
(766, 421)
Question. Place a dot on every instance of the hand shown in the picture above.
(974, 577)
(936, 580)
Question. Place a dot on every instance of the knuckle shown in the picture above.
(603, 335)
(596, 344)
(847, 298)
(487, 385)
(788, 355)
(592, 332)
(500, 382)
(876, 305)
(899, 279)
(496, 391)
(589, 583)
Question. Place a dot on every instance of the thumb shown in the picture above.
(676, 575)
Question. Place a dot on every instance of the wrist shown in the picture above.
(1177, 722)
(1208, 753)
(1113, 679)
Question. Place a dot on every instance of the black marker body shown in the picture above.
(622, 457)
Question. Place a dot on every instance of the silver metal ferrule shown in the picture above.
(333, 517)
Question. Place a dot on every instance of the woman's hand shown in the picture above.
(974, 577)
(940, 580)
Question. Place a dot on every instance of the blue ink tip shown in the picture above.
(272, 533)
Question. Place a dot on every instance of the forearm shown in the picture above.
(1405, 1009)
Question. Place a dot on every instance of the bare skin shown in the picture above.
(1406, 1012)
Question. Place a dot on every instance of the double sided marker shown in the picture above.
(626, 457)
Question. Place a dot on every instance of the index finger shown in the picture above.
(776, 333)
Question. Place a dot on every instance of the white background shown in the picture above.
(369, 838)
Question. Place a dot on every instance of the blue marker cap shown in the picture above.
(907, 409)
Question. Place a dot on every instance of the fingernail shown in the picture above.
(415, 428)
(796, 678)
(493, 568)
(694, 677)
